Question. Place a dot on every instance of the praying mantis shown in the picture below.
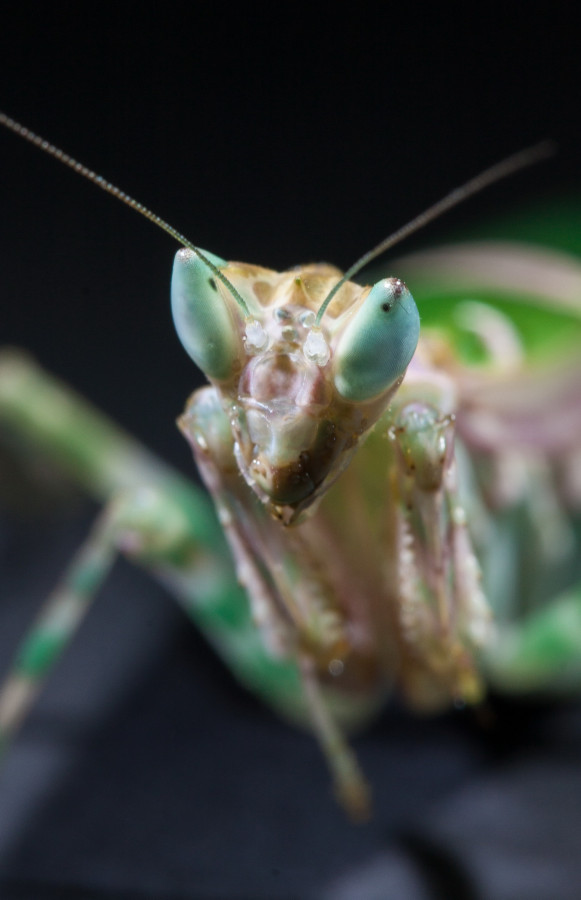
(396, 492)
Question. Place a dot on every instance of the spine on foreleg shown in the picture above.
(444, 616)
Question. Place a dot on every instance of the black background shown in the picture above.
(275, 134)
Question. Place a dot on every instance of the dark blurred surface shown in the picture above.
(275, 137)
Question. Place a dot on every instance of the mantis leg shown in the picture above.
(351, 787)
(163, 523)
(54, 627)
(152, 515)
(259, 548)
(141, 522)
(443, 616)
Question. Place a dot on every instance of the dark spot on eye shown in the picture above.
(386, 306)
(212, 284)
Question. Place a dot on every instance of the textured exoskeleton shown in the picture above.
(401, 503)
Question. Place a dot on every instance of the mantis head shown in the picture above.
(299, 390)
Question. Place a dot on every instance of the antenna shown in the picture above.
(87, 173)
(495, 173)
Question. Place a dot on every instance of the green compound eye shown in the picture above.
(378, 343)
(203, 320)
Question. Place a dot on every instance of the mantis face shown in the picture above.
(299, 393)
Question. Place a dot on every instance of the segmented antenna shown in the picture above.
(495, 173)
(87, 173)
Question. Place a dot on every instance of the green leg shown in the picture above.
(54, 627)
(158, 519)
(541, 654)
(147, 525)
(162, 522)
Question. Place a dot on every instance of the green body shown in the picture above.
(375, 565)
